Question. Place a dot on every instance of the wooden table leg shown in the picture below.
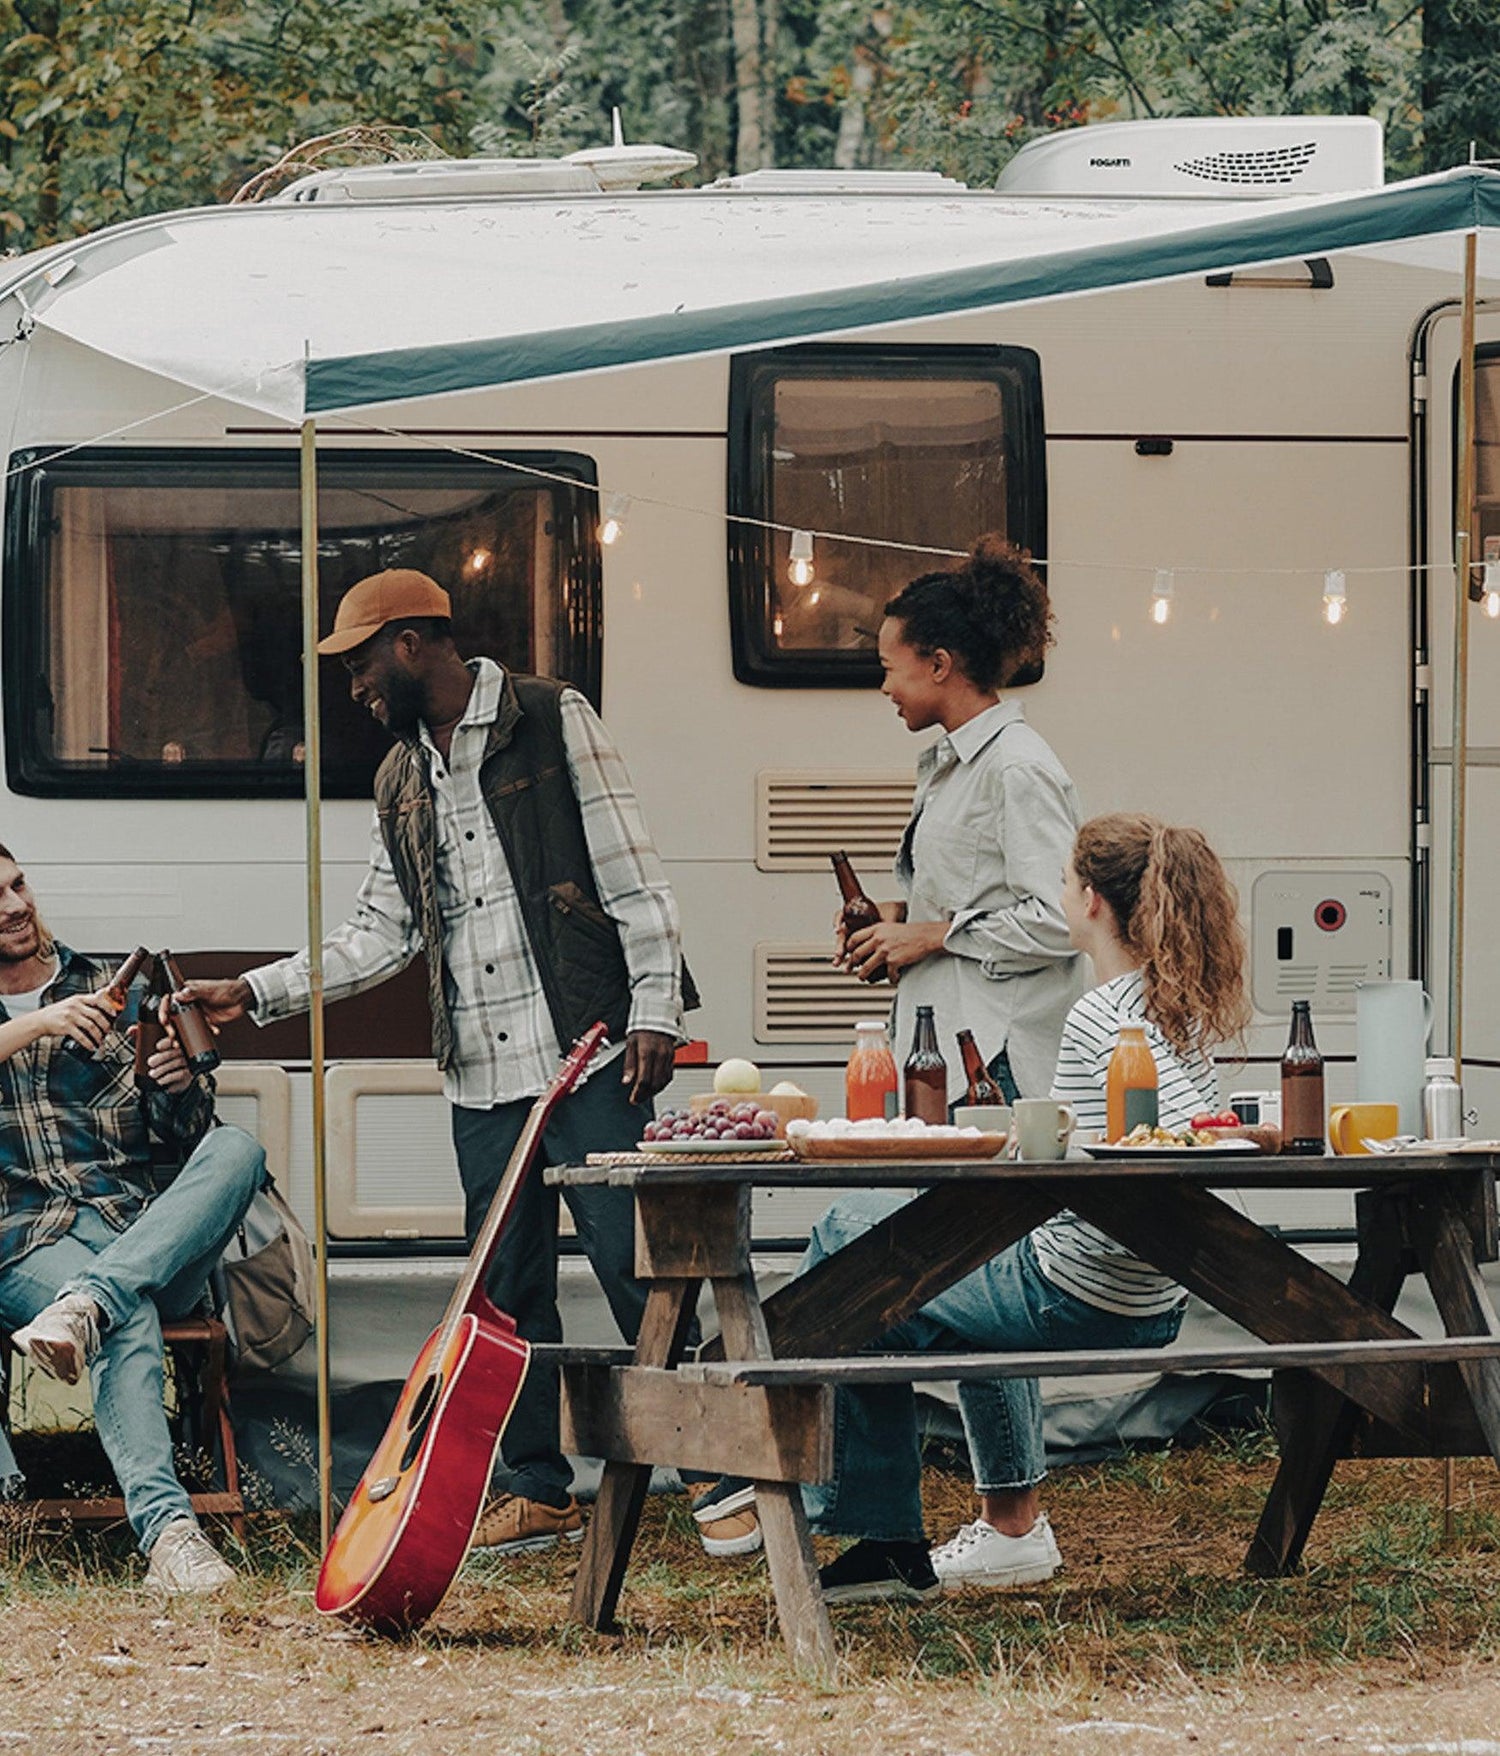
(1446, 1250)
(1317, 1432)
(622, 1492)
(789, 1556)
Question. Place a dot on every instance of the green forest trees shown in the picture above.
(119, 107)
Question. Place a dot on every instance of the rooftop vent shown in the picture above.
(439, 179)
(595, 168)
(773, 182)
(1216, 157)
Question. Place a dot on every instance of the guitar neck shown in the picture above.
(469, 1294)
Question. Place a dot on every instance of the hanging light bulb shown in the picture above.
(801, 571)
(616, 510)
(1161, 596)
(1335, 597)
(1492, 577)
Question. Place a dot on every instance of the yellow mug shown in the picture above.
(1351, 1125)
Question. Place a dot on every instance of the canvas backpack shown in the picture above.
(264, 1282)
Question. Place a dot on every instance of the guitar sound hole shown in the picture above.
(422, 1407)
(421, 1414)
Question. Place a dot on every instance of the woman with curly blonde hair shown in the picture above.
(1156, 914)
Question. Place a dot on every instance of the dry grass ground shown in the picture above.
(1152, 1639)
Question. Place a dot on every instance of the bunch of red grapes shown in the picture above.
(722, 1120)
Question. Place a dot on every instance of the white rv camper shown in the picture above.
(1207, 369)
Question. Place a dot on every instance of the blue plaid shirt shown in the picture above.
(76, 1133)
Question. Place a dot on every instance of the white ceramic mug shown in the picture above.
(1043, 1127)
(987, 1118)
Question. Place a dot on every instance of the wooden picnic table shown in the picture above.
(1348, 1378)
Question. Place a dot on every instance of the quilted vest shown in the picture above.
(526, 785)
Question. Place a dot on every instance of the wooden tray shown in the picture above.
(849, 1147)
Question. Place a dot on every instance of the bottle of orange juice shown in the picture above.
(1130, 1085)
(870, 1078)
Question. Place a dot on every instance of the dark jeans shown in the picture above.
(597, 1117)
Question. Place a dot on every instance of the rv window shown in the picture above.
(153, 616)
(927, 446)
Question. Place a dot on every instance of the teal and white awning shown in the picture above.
(308, 309)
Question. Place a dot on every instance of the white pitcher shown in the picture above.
(1392, 1021)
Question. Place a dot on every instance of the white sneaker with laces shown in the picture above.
(63, 1338)
(982, 1555)
(183, 1560)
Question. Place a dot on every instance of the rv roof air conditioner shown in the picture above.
(1235, 158)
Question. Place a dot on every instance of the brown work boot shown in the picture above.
(728, 1526)
(514, 1525)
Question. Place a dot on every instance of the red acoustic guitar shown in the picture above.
(405, 1533)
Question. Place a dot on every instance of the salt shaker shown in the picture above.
(1442, 1100)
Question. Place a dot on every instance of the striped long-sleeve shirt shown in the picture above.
(1070, 1252)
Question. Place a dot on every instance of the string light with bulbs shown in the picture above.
(1162, 594)
(1335, 596)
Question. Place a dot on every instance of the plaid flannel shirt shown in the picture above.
(504, 1038)
(75, 1132)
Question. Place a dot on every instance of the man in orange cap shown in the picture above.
(509, 847)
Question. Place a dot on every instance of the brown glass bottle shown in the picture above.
(193, 1032)
(925, 1076)
(859, 911)
(1302, 1111)
(984, 1088)
(114, 994)
(148, 1027)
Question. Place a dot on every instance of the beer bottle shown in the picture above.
(1303, 1118)
(984, 1088)
(859, 911)
(114, 994)
(194, 1034)
(926, 1073)
(148, 1027)
(1130, 1091)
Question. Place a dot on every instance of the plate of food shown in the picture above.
(852, 1141)
(1146, 1141)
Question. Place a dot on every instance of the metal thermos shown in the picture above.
(1442, 1101)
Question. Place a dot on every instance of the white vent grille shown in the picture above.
(1276, 164)
(804, 815)
(801, 998)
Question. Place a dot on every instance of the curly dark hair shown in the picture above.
(992, 613)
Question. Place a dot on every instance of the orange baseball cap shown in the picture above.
(391, 596)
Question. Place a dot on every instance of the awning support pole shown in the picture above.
(312, 771)
(1462, 568)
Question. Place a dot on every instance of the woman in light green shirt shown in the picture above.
(979, 935)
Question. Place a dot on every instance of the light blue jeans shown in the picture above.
(158, 1267)
(1007, 1306)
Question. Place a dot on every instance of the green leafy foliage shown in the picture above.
(113, 108)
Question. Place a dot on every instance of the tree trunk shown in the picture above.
(749, 143)
(849, 148)
(703, 73)
(49, 145)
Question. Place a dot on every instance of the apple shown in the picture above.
(737, 1075)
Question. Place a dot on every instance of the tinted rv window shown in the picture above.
(153, 619)
(919, 445)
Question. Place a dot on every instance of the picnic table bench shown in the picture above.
(1348, 1377)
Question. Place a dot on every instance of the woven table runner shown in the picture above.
(785, 1156)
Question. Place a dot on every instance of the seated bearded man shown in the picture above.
(93, 1255)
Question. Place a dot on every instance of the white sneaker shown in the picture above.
(982, 1555)
(183, 1559)
(63, 1338)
